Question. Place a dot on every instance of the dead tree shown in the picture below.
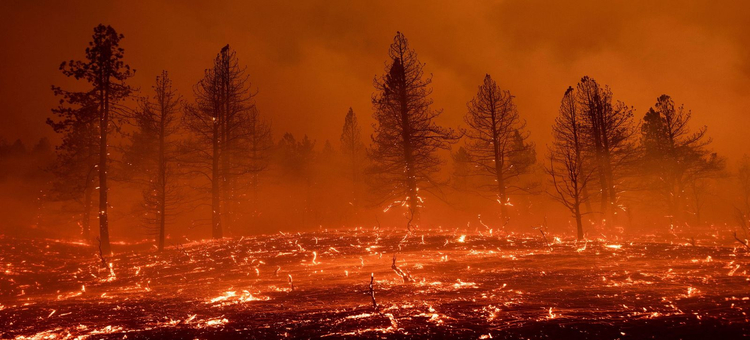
(406, 137)
(151, 156)
(568, 168)
(496, 140)
(607, 132)
(221, 122)
(675, 158)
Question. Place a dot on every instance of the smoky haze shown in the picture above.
(311, 61)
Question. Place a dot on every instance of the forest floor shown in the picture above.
(458, 285)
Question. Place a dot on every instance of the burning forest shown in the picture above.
(340, 170)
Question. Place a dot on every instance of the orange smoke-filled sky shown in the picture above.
(312, 60)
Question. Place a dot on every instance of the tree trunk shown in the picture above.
(216, 231)
(604, 188)
(411, 179)
(612, 198)
(502, 197)
(226, 180)
(103, 202)
(86, 218)
(162, 222)
(162, 180)
(499, 165)
(577, 213)
(226, 148)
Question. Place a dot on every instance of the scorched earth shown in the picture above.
(459, 283)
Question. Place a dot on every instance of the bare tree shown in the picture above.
(106, 71)
(406, 136)
(675, 158)
(152, 153)
(222, 125)
(608, 131)
(567, 163)
(202, 151)
(496, 140)
(236, 107)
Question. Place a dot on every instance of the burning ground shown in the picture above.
(457, 283)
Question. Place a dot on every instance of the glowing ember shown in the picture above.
(506, 281)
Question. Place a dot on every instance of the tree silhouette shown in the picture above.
(106, 72)
(674, 157)
(152, 153)
(496, 143)
(353, 151)
(223, 123)
(258, 144)
(608, 131)
(568, 166)
(463, 169)
(296, 159)
(406, 137)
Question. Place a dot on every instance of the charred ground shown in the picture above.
(464, 284)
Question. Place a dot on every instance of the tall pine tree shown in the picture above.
(496, 141)
(406, 139)
(105, 70)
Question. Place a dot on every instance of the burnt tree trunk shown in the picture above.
(103, 201)
(216, 231)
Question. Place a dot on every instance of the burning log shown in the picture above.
(372, 291)
(741, 241)
(291, 283)
(404, 275)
